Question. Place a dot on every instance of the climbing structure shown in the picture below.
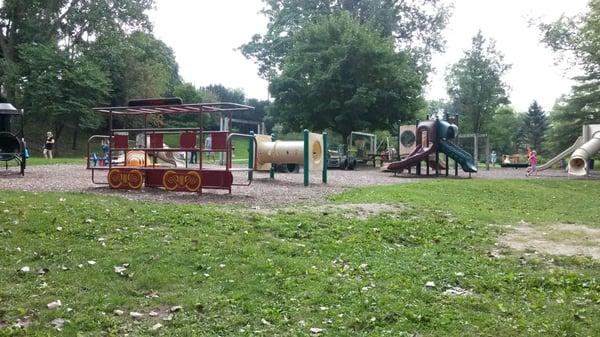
(432, 138)
(137, 165)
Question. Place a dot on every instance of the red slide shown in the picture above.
(417, 155)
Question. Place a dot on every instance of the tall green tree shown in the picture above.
(59, 90)
(475, 85)
(224, 94)
(415, 26)
(69, 24)
(534, 126)
(576, 39)
(565, 125)
(139, 65)
(503, 130)
(344, 76)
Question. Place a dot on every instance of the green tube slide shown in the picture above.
(463, 158)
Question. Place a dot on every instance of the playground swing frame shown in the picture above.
(371, 155)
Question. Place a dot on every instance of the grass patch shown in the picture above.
(245, 273)
(538, 201)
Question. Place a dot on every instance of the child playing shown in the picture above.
(532, 164)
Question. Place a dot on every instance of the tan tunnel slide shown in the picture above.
(578, 165)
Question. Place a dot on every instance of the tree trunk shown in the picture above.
(74, 144)
(59, 129)
(476, 148)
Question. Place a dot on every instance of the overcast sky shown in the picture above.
(205, 36)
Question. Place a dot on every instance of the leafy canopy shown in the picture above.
(345, 76)
(501, 130)
(579, 38)
(475, 84)
(414, 25)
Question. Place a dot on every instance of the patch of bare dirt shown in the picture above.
(560, 239)
(347, 211)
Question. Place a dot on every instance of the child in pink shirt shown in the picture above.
(532, 164)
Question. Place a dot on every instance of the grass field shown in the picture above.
(241, 272)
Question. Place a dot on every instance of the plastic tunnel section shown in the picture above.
(578, 164)
(463, 158)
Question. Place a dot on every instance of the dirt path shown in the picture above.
(560, 239)
(286, 189)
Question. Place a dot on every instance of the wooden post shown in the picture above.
(487, 153)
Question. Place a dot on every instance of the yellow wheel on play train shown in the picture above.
(193, 181)
(136, 179)
(170, 180)
(115, 178)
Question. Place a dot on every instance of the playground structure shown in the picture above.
(432, 138)
(550, 163)
(225, 124)
(131, 167)
(407, 139)
(579, 164)
(310, 153)
(365, 148)
(514, 161)
(12, 144)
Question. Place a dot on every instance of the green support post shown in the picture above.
(272, 171)
(306, 158)
(325, 156)
(251, 156)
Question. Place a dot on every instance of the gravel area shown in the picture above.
(284, 190)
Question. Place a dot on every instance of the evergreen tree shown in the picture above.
(534, 126)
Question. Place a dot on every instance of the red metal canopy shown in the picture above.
(176, 109)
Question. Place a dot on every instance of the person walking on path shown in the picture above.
(49, 145)
(532, 169)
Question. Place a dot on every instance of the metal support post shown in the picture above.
(325, 156)
(251, 155)
(272, 171)
(306, 159)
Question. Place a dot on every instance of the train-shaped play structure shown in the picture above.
(433, 137)
(137, 157)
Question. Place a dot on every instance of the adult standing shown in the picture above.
(49, 145)
(208, 148)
